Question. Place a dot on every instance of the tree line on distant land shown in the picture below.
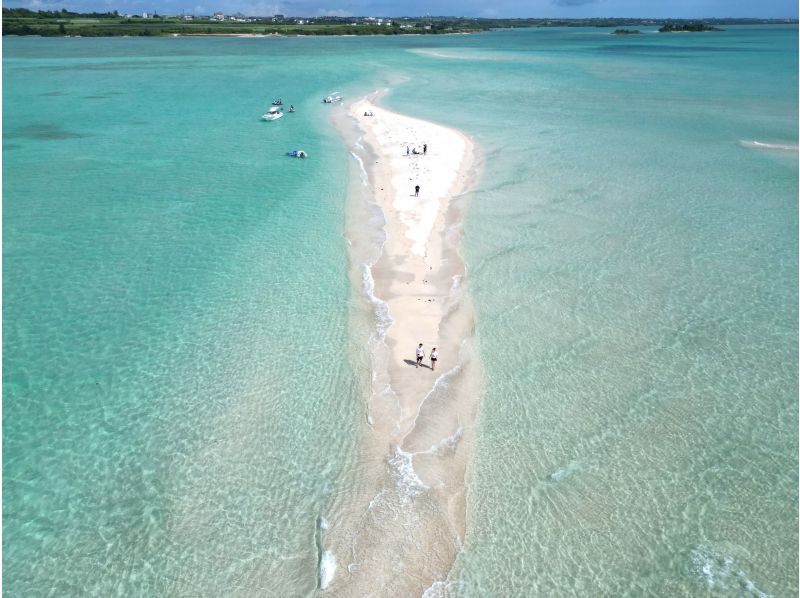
(22, 21)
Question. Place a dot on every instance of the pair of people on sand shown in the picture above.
(421, 356)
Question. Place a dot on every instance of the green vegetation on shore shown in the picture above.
(21, 21)
(691, 26)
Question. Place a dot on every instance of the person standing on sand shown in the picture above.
(416, 191)
(408, 151)
(420, 354)
(424, 148)
(434, 357)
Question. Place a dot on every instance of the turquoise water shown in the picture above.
(175, 330)
(183, 389)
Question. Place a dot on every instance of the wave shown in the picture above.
(769, 146)
(375, 500)
(406, 479)
(478, 56)
(441, 382)
(381, 307)
(438, 589)
(327, 569)
(363, 173)
(327, 560)
(446, 444)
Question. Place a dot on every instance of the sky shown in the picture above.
(688, 9)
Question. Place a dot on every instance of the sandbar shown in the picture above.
(400, 532)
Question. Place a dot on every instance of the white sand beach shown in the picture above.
(402, 535)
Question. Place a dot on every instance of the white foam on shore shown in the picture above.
(406, 479)
(327, 561)
(441, 382)
(327, 569)
(384, 320)
(362, 170)
(438, 589)
(444, 445)
(375, 500)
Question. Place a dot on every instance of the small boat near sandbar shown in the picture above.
(332, 97)
(297, 154)
(274, 113)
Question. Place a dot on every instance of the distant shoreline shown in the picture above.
(24, 22)
(306, 35)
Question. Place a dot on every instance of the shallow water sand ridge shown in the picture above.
(402, 533)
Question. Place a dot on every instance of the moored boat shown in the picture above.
(274, 113)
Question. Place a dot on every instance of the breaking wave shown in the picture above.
(769, 146)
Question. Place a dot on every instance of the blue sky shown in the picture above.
(470, 8)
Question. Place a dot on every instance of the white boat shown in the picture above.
(274, 113)
(331, 98)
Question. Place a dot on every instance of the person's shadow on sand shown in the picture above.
(414, 363)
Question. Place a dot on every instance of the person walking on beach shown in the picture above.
(420, 354)
(408, 151)
(424, 148)
(416, 190)
(434, 357)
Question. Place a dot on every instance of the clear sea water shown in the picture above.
(183, 387)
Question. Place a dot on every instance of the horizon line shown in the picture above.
(377, 16)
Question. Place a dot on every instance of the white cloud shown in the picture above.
(259, 8)
(336, 12)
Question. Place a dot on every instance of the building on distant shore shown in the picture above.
(218, 16)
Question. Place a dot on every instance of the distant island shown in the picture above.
(55, 23)
(625, 32)
(678, 27)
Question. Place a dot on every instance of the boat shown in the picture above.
(297, 154)
(274, 113)
(278, 102)
(332, 97)
(291, 108)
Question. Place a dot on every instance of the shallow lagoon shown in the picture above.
(180, 398)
